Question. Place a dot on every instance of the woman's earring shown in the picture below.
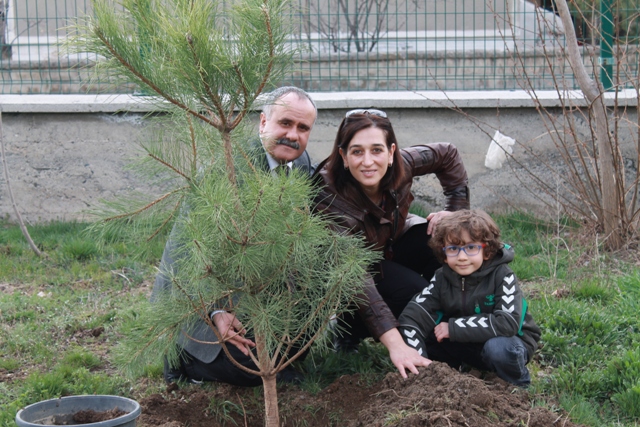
(390, 164)
(346, 167)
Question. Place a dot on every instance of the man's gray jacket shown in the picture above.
(201, 331)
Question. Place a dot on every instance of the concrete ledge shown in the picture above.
(324, 100)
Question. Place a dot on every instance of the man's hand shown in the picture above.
(402, 356)
(442, 331)
(434, 218)
(232, 331)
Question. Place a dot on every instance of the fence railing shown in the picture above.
(360, 45)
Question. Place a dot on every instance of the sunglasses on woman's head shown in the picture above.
(371, 111)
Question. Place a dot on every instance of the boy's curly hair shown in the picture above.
(477, 223)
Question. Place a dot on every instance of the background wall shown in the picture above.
(61, 164)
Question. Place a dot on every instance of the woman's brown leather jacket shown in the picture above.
(382, 225)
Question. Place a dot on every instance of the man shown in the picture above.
(285, 124)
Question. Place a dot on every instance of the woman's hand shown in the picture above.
(434, 218)
(402, 356)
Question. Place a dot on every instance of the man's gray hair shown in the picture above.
(272, 98)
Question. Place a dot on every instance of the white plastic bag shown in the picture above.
(498, 149)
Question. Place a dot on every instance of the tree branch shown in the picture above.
(23, 228)
(149, 83)
(144, 208)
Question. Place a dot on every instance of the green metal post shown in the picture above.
(606, 44)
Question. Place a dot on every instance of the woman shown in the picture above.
(366, 189)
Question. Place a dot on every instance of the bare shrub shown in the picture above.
(595, 135)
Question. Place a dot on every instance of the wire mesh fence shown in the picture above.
(362, 45)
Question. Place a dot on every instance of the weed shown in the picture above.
(394, 418)
(629, 400)
(335, 418)
(79, 249)
(493, 416)
(80, 358)
(313, 409)
(223, 410)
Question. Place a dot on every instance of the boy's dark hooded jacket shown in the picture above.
(488, 303)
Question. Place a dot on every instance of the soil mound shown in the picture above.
(438, 396)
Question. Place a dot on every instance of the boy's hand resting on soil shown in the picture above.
(402, 356)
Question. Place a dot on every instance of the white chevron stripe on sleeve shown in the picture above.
(508, 299)
(508, 309)
(509, 291)
(410, 334)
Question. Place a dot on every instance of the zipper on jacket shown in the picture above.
(464, 299)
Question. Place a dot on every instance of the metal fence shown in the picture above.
(362, 45)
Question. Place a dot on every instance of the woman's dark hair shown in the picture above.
(345, 183)
(480, 226)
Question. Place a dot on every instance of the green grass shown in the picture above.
(322, 367)
(57, 316)
(49, 306)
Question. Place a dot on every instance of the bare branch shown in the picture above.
(23, 227)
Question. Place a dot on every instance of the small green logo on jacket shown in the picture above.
(490, 300)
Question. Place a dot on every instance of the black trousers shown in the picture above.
(400, 279)
(222, 369)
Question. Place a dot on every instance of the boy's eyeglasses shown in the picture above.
(471, 249)
(371, 111)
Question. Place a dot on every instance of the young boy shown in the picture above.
(473, 311)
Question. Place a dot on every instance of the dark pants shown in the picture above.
(400, 279)
(222, 369)
(506, 356)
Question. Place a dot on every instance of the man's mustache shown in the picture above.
(289, 143)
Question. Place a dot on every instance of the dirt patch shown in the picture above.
(439, 396)
(90, 416)
(81, 417)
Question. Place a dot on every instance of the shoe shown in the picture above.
(346, 344)
(289, 376)
(175, 375)
(172, 375)
(342, 341)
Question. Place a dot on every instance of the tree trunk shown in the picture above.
(611, 210)
(271, 414)
(268, 374)
(228, 157)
